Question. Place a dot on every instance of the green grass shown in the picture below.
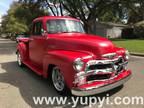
(133, 45)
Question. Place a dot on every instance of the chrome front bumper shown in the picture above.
(96, 90)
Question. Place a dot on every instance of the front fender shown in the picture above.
(64, 60)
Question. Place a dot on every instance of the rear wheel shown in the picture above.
(58, 81)
(19, 59)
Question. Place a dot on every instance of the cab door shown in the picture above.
(37, 44)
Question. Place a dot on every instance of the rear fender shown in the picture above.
(22, 48)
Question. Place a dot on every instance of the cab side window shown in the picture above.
(37, 28)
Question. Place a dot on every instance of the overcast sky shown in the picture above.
(4, 6)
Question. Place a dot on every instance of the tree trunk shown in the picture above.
(89, 26)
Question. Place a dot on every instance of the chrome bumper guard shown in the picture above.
(97, 90)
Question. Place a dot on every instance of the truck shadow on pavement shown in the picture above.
(31, 85)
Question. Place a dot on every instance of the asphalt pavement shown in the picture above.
(18, 85)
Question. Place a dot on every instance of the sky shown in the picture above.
(4, 6)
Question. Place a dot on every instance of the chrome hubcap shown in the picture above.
(58, 79)
(19, 59)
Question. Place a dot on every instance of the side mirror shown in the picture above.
(43, 32)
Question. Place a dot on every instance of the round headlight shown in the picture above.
(78, 64)
(127, 55)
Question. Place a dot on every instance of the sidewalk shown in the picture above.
(137, 54)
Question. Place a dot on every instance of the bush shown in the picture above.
(135, 32)
(139, 29)
(128, 33)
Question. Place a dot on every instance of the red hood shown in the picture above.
(81, 42)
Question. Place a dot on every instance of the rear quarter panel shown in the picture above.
(23, 49)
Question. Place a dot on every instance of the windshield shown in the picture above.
(64, 26)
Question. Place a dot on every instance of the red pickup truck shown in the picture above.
(83, 64)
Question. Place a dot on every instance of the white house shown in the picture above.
(109, 30)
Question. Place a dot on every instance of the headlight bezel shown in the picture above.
(78, 64)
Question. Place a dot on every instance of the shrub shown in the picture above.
(139, 29)
(128, 33)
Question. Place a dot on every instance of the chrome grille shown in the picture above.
(100, 66)
(105, 67)
(98, 77)
(119, 64)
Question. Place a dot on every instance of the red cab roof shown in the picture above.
(55, 17)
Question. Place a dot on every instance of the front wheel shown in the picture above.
(58, 81)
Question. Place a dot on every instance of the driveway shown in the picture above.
(18, 85)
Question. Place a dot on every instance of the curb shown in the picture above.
(137, 54)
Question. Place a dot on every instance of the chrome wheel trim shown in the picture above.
(58, 79)
(19, 59)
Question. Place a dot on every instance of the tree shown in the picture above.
(20, 16)
(10, 23)
(86, 10)
(136, 13)
(30, 10)
(90, 11)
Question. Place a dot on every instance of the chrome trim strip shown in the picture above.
(102, 79)
(109, 55)
(93, 62)
(87, 57)
(101, 70)
(100, 89)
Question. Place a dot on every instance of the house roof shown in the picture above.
(113, 24)
(141, 23)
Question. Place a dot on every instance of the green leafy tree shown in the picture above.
(21, 14)
(136, 13)
(86, 10)
(19, 17)
(11, 24)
